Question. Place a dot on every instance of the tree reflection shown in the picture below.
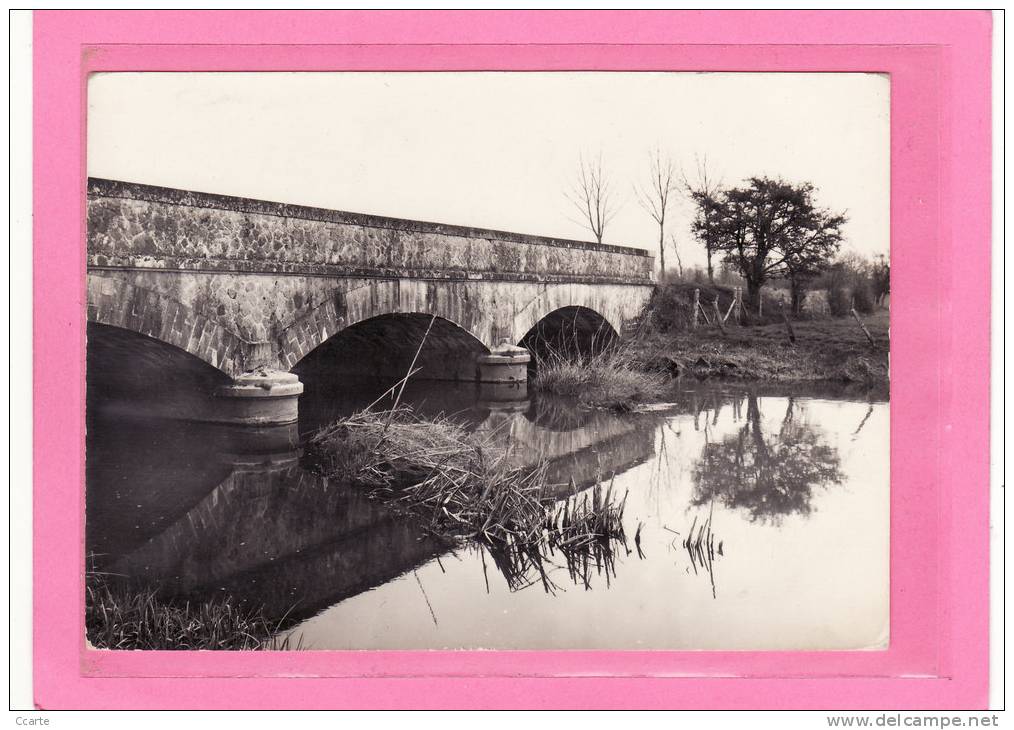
(767, 476)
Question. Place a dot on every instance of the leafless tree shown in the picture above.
(593, 197)
(656, 196)
(701, 191)
(676, 250)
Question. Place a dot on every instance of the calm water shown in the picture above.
(795, 484)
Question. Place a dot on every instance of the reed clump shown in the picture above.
(584, 529)
(434, 468)
(611, 378)
(588, 527)
(122, 617)
(463, 485)
(700, 546)
(585, 517)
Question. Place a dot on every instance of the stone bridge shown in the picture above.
(260, 291)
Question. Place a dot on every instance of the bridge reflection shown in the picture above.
(580, 446)
(206, 510)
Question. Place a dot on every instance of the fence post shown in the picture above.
(739, 305)
(788, 325)
(697, 306)
(718, 314)
(866, 332)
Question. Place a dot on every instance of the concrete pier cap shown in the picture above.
(506, 363)
(260, 397)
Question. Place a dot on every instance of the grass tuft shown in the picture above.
(609, 379)
(119, 617)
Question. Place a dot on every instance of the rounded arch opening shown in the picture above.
(572, 332)
(355, 365)
(131, 374)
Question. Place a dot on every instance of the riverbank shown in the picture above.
(824, 349)
(642, 370)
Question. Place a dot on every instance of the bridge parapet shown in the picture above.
(141, 226)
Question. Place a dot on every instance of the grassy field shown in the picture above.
(825, 349)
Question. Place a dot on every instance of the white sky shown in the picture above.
(495, 150)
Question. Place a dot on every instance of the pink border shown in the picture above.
(939, 65)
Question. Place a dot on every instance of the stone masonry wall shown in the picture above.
(238, 322)
(141, 226)
(249, 284)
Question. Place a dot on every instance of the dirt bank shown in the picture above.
(827, 349)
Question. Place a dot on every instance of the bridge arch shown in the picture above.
(494, 313)
(384, 346)
(133, 374)
(373, 298)
(610, 306)
(116, 303)
(572, 331)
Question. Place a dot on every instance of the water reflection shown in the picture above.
(766, 475)
(700, 547)
(523, 567)
(751, 484)
(234, 511)
(269, 534)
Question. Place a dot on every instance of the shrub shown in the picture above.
(671, 304)
(838, 298)
(862, 295)
(850, 282)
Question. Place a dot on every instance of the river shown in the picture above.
(795, 482)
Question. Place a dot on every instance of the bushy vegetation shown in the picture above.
(850, 282)
(671, 306)
(672, 302)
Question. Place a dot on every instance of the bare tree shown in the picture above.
(656, 196)
(702, 191)
(676, 250)
(592, 196)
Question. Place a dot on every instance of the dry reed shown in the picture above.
(463, 485)
(700, 546)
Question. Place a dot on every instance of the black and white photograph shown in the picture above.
(488, 360)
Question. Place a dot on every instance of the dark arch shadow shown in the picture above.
(131, 374)
(385, 345)
(355, 365)
(572, 332)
